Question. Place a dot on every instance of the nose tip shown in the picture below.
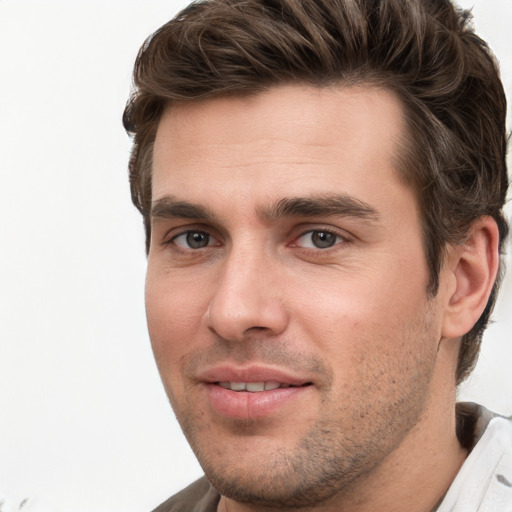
(239, 326)
(246, 301)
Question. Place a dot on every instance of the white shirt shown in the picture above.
(484, 482)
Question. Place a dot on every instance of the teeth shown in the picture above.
(252, 387)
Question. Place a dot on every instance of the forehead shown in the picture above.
(291, 138)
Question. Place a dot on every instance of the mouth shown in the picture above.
(257, 387)
(253, 378)
(254, 392)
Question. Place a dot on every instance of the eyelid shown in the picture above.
(184, 245)
(342, 235)
(170, 235)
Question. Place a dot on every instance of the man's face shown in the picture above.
(286, 289)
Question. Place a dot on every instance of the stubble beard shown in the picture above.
(332, 456)
(324, 464)
(318, 469)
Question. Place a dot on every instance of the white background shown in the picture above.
(84, 423)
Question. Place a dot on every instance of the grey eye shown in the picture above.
(323, 239)
(319, 239)
(193, 240)
(197, 239)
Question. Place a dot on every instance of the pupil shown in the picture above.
(323, 239)
(197, 239)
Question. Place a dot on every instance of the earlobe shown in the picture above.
(473, 267)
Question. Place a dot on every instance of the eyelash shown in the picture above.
(337, 239)
(187, 233)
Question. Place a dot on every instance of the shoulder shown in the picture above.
(484, 481)
(199, 496)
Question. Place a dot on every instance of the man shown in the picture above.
(322, 185)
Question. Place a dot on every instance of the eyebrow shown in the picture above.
(324, 205)
(169, 207)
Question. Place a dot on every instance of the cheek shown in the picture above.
(374, 303)
(174, 316)
(392, 296)
(368, 325)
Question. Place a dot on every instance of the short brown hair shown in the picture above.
(424, 50)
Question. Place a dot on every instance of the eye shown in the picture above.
(193, 240)
(318, 239)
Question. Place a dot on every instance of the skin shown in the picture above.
(346, 311)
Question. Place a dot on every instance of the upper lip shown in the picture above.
(252, 373)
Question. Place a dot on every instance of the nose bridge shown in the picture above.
(247, 295)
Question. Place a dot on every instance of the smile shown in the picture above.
(253, 387)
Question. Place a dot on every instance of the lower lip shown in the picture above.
(248, 406)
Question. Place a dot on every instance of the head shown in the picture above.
(453, 155)
(308, 173)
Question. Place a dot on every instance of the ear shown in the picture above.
(472, 268)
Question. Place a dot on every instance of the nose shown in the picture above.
(247, 298)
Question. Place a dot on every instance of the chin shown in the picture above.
(317, 468)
